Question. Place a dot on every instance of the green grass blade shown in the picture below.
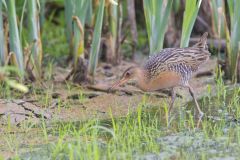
(96, 39)
(15, 44)
(189, 17)
(2, 38)
(6, 70)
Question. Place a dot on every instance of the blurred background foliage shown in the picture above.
(82, 33)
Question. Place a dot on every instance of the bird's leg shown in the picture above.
(173, 96)
(196, 103)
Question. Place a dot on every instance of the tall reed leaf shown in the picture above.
(34, 34)
(113, 21)
(15, 44)
(2, 38)
(22, 19)
(79, 10)
(176, 5)
(235, 38)
(218, 9)
(42, 12)
(89, 13)
(96, 39)
(189, 17)
(156, 16)
(231, 9)
(68, 6)
(112, 12)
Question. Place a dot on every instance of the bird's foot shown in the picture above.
(170, 119)
(201, 114)
(198, 114)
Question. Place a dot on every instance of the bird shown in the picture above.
(170, 68)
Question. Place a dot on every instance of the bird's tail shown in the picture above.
(202, 43)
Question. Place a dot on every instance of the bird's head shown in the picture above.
(131, 73)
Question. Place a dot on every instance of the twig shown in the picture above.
(69, 75)
(129, 92)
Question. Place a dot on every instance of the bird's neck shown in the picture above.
(142, 79)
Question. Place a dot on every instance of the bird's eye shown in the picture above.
(127, 74)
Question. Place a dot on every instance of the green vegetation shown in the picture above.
(218, 18)
(140, 134)
(82, 17)
(2, 38)
(34, 36)
(5, 71)
(78, 19)
(234, 46)
(54, 42)
(42, 42)
(96, 39)
(156, 15)
(15, 44)
(222, 30)
(190, 15)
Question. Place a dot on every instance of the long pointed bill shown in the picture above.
(118, 83)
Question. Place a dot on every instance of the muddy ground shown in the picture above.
(93, 101)
(60, 101)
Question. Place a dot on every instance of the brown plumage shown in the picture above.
(169, 68)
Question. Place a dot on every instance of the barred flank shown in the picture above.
(184, 61)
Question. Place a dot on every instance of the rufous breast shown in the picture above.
(165, 79)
